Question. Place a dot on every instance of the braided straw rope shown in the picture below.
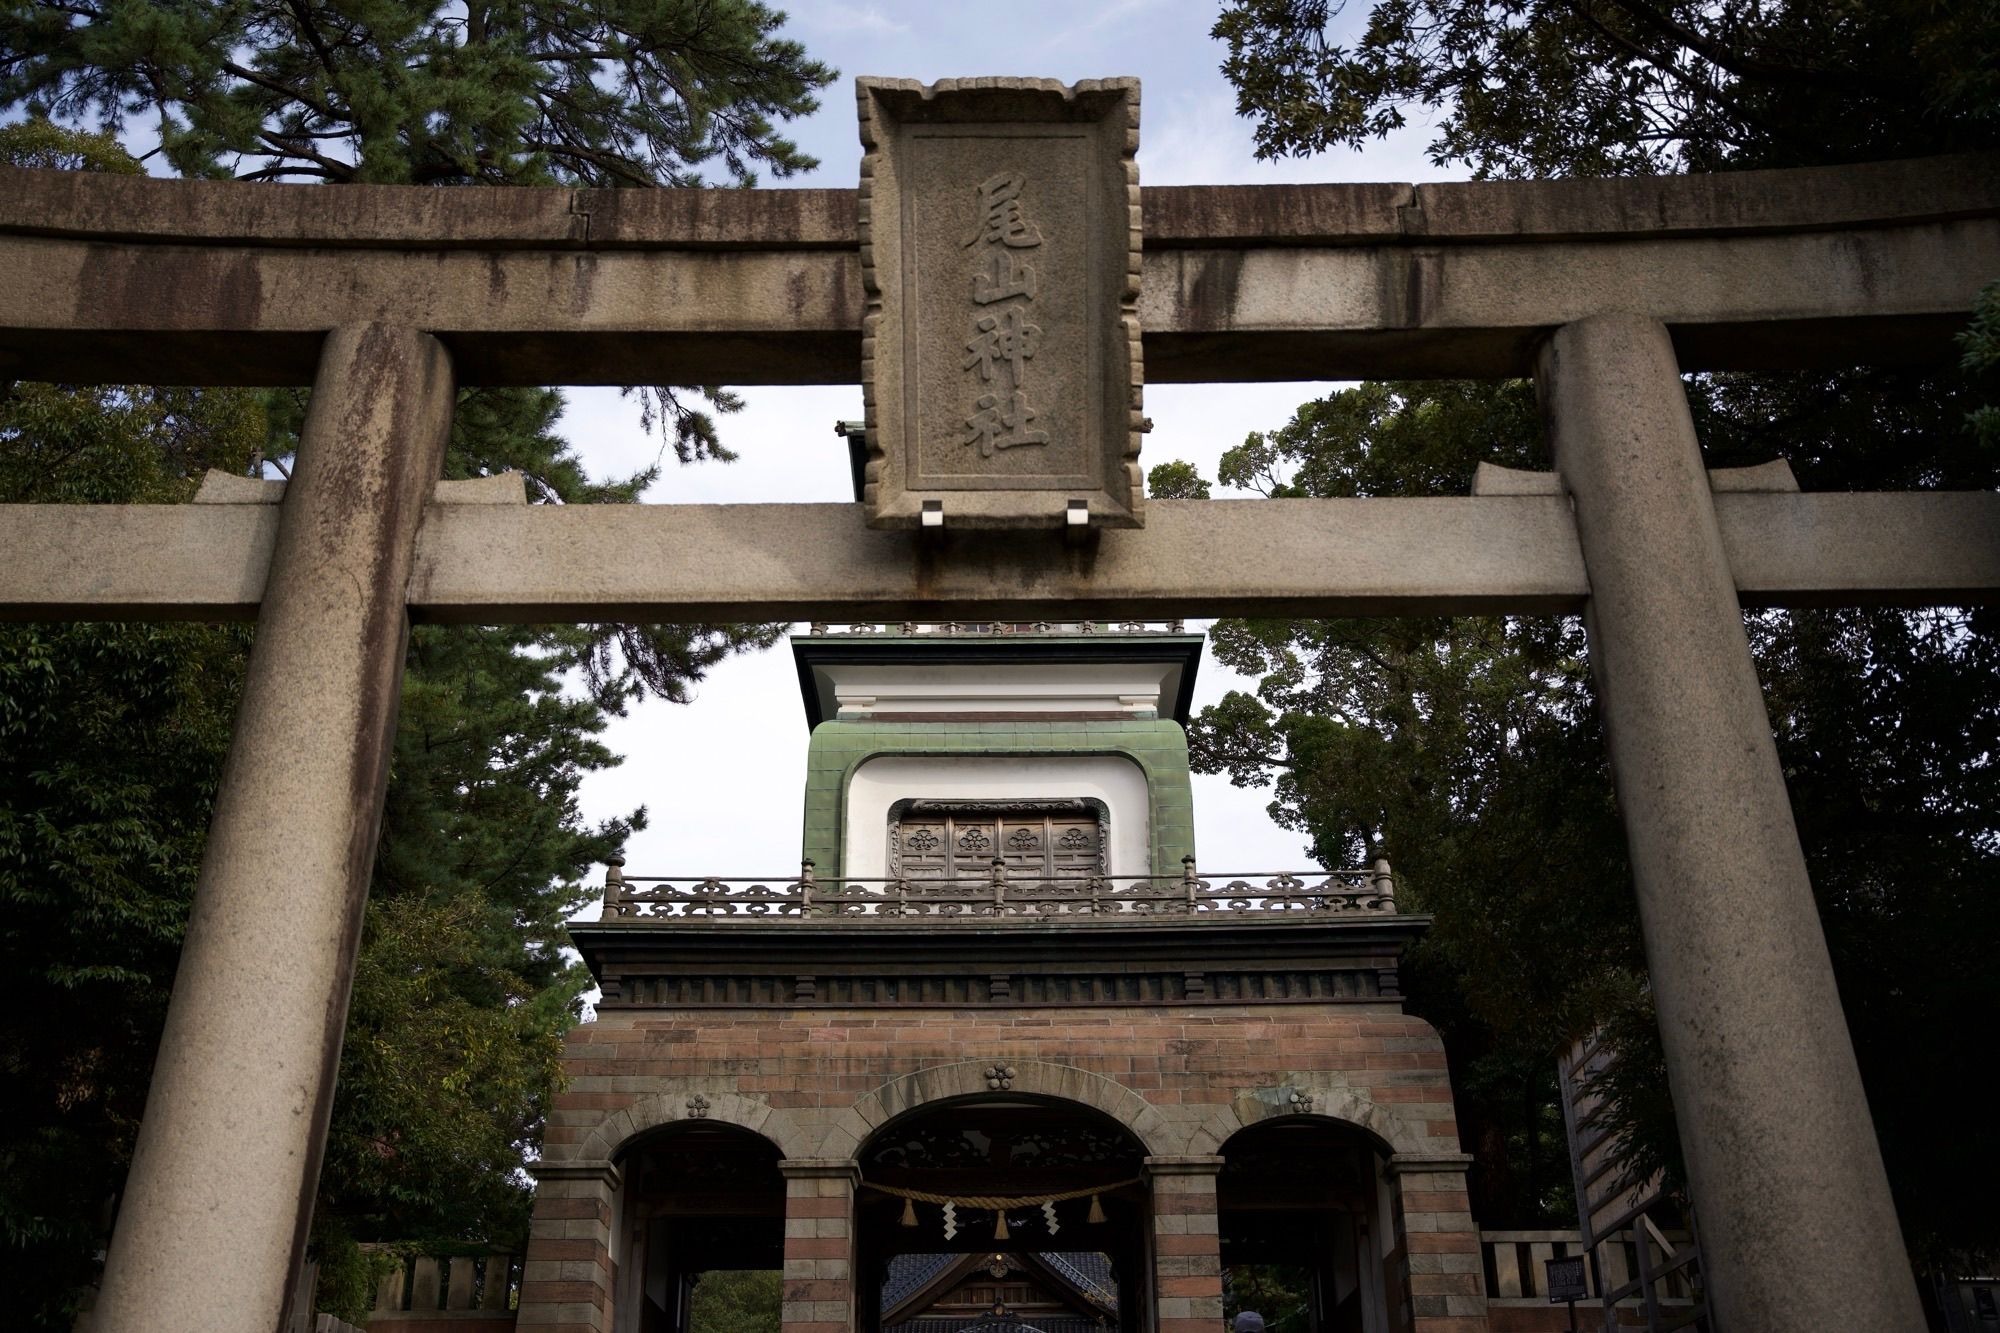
(998, 1202)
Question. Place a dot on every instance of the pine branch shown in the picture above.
(276, 86)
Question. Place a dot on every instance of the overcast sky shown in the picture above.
(723, 778)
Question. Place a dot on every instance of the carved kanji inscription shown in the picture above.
(1000, 345)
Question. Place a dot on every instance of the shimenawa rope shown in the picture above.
(997, 1202)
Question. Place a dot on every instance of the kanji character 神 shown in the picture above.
(1002, 339)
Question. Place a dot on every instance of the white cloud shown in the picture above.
(827, 15)
(1099, 18)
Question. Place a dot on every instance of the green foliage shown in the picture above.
(1982, 357)
(1622, 87)
(1469, 751)
(450, 1058)
(111, 740)
(35, 142)
(461, 996)
(1469, 748)
(1176, 481)
(350, 1274)
(1279, 1294)
(731, 1301)
(1390, 439)
(511, 92)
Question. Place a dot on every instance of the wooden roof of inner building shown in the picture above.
(1023, 1292)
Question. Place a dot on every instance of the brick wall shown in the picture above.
(818, 1082)
(819, 1246)
(568, 1275)
(1186, 1065)
(1439, 1247)
(1187, 1254)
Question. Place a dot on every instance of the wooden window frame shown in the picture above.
(909, 808)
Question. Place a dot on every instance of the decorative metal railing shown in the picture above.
(973, 628)
(1317, 893)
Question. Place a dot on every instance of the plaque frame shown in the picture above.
(1091, 369)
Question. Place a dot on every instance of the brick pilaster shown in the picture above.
(1435, 1268)
(1187, 1244)
(819, 1244)
(567, 1276)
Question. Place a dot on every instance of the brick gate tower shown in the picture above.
(1000, 1024)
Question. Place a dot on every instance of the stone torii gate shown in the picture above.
(386, 299)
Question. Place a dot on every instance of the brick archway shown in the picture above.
(618, 1129)
(972, 1078)
(1033, 1125)
(1393, 1135)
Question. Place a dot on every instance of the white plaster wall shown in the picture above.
(1013, 688)
(879, 783)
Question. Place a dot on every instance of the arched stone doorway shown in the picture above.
(1304, 1226)
(921, 1265)
(699, 1197)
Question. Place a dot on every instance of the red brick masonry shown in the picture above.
(818, 1083)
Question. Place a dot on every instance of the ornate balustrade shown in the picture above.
(1187, 896)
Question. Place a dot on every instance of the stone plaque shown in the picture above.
(1000, 347)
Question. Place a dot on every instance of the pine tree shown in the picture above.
(114, 735)
(111, 737)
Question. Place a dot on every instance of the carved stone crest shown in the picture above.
(1000, 346)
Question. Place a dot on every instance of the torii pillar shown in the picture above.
(220, 1196)
(1798, 1229)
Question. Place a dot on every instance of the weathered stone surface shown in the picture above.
(219, 487)
(92, 312)
(1408, 308)
(99, 207)
(226, 1168)
(1799, 1231)
(203, 314)
(505, 563)
(1000, 343)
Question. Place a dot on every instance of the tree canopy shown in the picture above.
(515, 92)
(737, 1301)
(1470, 750)
(413, 92)
(1622, 87)
(112, 737)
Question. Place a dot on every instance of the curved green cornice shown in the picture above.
(1157, 745)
